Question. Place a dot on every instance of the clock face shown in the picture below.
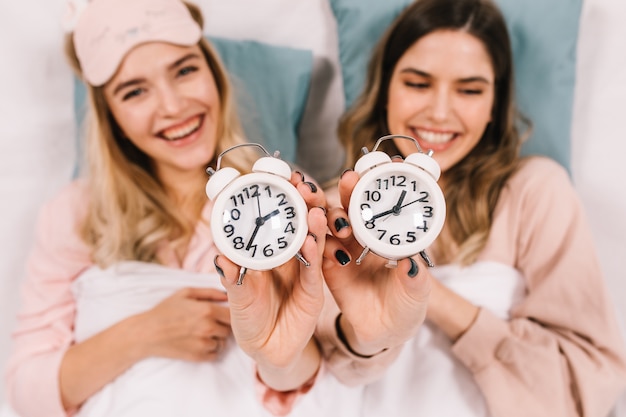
(259, 221)
(396, 210)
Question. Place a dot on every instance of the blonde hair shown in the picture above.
(473, 185)
(130, 214)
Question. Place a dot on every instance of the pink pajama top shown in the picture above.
(546, 341)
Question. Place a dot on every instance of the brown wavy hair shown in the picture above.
(474, 184)
(130, 213)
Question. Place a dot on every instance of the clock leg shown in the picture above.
(426, 259)
(362, 255)
(302, 259)
(391, 263)
(242, 273)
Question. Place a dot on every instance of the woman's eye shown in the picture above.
(471, 92)
(187, 70)
(417, 85)
(132, 93)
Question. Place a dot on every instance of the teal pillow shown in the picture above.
(543, 36)
(360, 24)
(271, 85)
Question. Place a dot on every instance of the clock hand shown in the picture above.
(414, 201)
(254, 232)
(258, 204)
(270, 215)
(394, 210)
(260, 221)
(384, 213)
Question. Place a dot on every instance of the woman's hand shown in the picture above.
(274, 313)
(192, 324)
(381, 307)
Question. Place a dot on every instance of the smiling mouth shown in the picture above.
(181, 131)
(434, 137)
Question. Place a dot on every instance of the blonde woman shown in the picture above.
(123, 273)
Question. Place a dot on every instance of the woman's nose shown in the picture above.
(171, 101)
(440, 105)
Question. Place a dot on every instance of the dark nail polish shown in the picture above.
(342, 257)
(312, 186)
(301, 175)
(313, 236)
(344, 171)
(341, 223)
(414, 268)
(219, 270)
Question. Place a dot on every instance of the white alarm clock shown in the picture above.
(397, 209)
(258, 220)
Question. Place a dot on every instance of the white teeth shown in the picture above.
(182, 131)
(435, 137)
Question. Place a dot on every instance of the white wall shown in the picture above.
(599, 139)
(36, 136)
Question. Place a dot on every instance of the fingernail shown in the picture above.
(344, 171)
(301, 175)
(219, 270)
(400, 157)
(414, 268)
(341, 223)
(312, 186)
(342, 257)
(322, 208)
(313, 236)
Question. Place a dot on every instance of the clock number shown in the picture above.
(253, 247)
(372, 195)
(229, 229)
(282, 243)
(424, 198)
(268, 251)
(410, 237)
(238, 242)
(382, 233)
(236, 198)
(235, 214)
(394, 181)
(251, 192)
(424, 194)
(290, 212)
(428, 211)
(366, 212)
(424, 228)
(289, 228)
(269, 191)
(282, 199)
(394, 239)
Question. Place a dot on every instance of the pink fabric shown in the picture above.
(45, 321)
(106, 30)
(280, 403)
